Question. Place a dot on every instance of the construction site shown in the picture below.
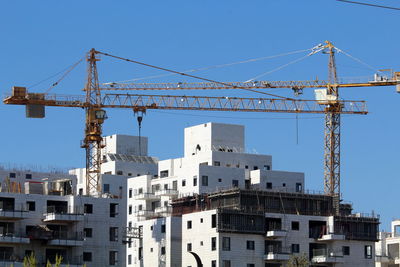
(217, 205)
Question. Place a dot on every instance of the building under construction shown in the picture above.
(219, 206)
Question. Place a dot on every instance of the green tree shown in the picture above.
(298, 261)
(30, 261)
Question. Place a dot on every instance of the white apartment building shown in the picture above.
(48, 213)
(222, 207)
(388, 247)
(217, 205)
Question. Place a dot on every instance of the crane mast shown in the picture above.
(95, 116)
(332, 134)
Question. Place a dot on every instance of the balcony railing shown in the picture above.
(326, 256)
(14, 238)
(277, 253)
(146, 196)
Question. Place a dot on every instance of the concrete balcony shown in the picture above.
(146, 196)
(166, 192)
(145, 214)
(163, 211)
(321, 257)
(276, 256)
(63, 214)
(67, 239)
(62, 217)
(331, 237)
(13, 215)
(275, 234)
(13, 238)
(383, 259)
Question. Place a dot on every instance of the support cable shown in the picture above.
(187, 75)
(357, 59)
(214, 66)
(64, 75)
(52, 76)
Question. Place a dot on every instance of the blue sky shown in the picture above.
(41, 38)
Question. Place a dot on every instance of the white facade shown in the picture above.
(228, 207)
(214, 161)
(388, 248)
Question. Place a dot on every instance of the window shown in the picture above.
(162, 228)
(120, 173)
(250, 265)
(213, 243)
(130, 209)
(269, 185)
(250, 244)
(88, 208)
(226, 263)
(235, 183)
(129, 259)
(204, 180)
(107, 172)
(106, 188)
(368, 252)
(295, 248)
(113, 209)
(12, 175)
(162, 250)
(163, 173)
(166, 186)
(219, 180)
(130, 174)
(201, 243)
(189, 224)
(28, 176)
(130, 192)
(140, 207)
(217, 163)
(346, 250)
(31, 205)
(284, 185)
(255, 168)
(246, 167)
(299, 187)
(295, 226)
(113, 257)
(88, 232)
(80, 191)
(201, 220)
(189, 246)
(213, 263)
(267, 167)
(194, 181)
(226, 243)
(87, 256)
(183, 182)
(213, 220)
(175, 185)
(113, 233)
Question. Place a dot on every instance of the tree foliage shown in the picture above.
(298, 261)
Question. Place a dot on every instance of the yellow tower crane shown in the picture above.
(95, 104)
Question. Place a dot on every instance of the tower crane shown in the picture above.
(330, 94)
(95, 103)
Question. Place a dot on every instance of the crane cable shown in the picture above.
(356, 59)
(54, 75)
(188, 75)
(314, 50)
(63, 76)
(214, 66)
